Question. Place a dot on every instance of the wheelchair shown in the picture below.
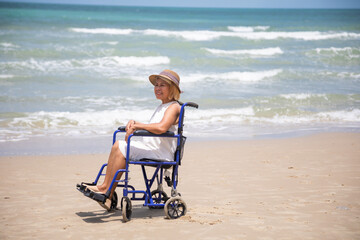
(174, 206)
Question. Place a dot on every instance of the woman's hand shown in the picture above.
(129, 131)
(129, 125)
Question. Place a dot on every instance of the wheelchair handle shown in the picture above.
(190, 104)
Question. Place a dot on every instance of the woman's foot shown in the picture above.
(93, 188)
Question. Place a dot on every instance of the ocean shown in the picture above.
(71, 74)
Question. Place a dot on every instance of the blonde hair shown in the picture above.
(174, 93)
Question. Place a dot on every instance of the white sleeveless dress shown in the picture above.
(161, 148)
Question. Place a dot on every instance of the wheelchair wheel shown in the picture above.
(114, 201)
(158, 197)
(175, 207)
(126, 209)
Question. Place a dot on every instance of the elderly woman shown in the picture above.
(165, 118)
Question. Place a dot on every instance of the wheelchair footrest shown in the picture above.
(90, 194)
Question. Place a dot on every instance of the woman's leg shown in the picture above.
(116, 161)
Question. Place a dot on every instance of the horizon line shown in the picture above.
(118, 5)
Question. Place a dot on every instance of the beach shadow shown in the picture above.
(103, 216)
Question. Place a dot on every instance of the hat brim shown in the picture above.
(153, 78)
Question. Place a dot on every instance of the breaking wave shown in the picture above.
(245, 77)
(100, 63)
(264, 52)
(207, 35)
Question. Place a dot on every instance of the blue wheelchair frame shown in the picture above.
(160, 199)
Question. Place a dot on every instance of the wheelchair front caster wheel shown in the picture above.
(126, 209)
(175, 207)
(114, 201)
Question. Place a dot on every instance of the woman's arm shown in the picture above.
(171, 116)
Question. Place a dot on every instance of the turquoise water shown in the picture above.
(77, 72)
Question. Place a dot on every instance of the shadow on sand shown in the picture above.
(103, 216)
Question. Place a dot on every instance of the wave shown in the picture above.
(349, 52)
(94, 63)
(111, 31)
(4, 76)
(8, 46)
(344, 116)
(302, 96)
(246, 77)
(203, 120)
(207, 35)
(343, 75)
(247, 29)
(112, 118)
(59, 120)
(252, 116)
(264, 52)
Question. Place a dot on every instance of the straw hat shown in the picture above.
(167, 75)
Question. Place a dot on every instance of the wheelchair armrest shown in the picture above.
(122, 128)
(147, 133)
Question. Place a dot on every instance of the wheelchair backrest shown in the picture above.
(181, 126)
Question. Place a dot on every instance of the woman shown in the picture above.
(165, 117)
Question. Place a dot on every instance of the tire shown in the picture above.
(175, 207)
(114, 202)
(126, 209)
(159, 197)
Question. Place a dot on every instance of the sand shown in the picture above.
(295, 188)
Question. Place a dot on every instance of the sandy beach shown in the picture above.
(295, 188)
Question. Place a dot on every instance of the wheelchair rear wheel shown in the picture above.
(175, 207)
(126, 209)
(158, 198)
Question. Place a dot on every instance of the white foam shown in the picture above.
(94, 101)
(102, 64)
(342, 74)
(203, 35)
(252, 52)
(87, 120)
(235, 117)
(135, 61)
(203, 120)
(8, 46)
(343, 116)
(246, 77)
(301, 96)
(4, 76)
(247, 29)
(348, 52)
(111, 31)
(336, 50)
(207, 35)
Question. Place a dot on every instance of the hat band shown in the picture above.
(170, 76)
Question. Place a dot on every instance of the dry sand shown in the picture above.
(296, 188)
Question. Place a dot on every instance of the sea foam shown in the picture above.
(208, 35)
(247, 29)
(111, 31)
(349, 52)
(100, 63)
(264, 52)
(245, 77)
(301, 96)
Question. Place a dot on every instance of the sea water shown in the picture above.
(70, 73)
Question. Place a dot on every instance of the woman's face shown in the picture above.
(162, 90)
